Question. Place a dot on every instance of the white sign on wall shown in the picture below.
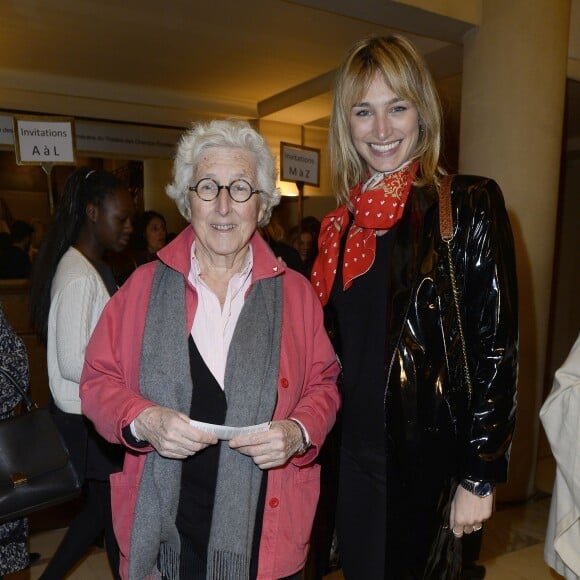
(300, 164)
(42, 140)
(132, 141)
(101, 139)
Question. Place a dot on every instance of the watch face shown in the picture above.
(483, 489)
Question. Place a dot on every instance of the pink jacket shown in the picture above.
(306, 390)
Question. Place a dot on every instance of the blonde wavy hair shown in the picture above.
(406, 74)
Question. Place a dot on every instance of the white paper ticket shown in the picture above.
(225, 432)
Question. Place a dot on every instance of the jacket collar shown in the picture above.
(177, 255)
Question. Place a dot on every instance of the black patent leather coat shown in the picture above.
(434, 426)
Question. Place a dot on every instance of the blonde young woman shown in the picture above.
(410, 429)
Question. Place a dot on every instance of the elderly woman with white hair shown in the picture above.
(213, 368)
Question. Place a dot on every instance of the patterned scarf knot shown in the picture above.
(378, 205)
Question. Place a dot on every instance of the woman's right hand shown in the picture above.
(170, 433)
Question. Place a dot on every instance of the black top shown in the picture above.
(106, 274)
(199, 475)
(359, 316)
(200, 471)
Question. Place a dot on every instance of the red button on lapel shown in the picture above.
(274, 502)
(284, 383)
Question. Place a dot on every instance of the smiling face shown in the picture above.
(222, 226)
(384, 127)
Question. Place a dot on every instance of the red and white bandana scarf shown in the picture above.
(377, 204)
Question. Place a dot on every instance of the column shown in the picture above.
(512, 111)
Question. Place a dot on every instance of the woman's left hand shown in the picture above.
(468, 512)
(271, 448)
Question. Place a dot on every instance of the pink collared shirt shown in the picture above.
(214, 325)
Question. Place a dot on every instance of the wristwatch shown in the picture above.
(478, 488)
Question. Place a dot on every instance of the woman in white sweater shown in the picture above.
(70, 285)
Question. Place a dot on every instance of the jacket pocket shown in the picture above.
(123, 497)
(307, 492)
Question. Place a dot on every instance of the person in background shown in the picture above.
(273, 233)
(303, 242)
(219, 331)
(311, 224)
(412, 427)
(149, 237)
(15, 260)
(14, 362)
(309, 251)
(560, 415)
(70, 285)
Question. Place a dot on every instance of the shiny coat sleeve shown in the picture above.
(490, 321)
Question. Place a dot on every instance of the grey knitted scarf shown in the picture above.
(250, 388)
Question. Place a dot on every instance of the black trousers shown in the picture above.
(361, 515)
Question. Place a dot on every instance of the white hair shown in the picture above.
(223, 133)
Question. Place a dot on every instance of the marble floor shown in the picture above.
(512, 548)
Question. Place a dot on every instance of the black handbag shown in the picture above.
(35, 468)
(445, 558)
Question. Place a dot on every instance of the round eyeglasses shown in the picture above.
(208, 189)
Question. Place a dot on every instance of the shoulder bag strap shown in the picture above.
(445, 216)
(30, 404)
(447, 233)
